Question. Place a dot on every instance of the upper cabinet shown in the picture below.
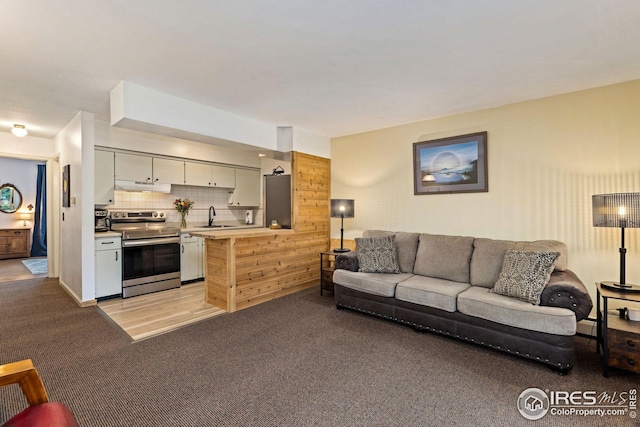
(134, 167)
(209, 175)
(247, 192)
(104, 171)
(167, 171)
(111, 166)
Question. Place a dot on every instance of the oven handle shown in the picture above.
(150, 242)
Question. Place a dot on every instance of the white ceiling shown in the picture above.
(332, 67)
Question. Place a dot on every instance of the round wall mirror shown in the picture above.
(10, 198)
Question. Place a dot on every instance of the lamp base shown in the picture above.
(341, 250)
(627, 287)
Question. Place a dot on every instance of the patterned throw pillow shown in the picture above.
(525, 274)
(377, 254)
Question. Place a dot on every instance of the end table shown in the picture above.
(619, 337)
(327, 265)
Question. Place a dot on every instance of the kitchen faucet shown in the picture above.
(212, 213)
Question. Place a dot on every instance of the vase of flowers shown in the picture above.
(183, 206)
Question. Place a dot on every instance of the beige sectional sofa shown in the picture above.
(447, 285)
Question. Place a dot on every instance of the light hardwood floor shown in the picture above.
(148, 315)
(13, 269)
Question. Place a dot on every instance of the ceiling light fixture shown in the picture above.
(19, 130)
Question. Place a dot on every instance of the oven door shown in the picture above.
(150, 258)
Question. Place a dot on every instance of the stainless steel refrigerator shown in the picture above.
(277, 193)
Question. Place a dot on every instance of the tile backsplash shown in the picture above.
(203, 197)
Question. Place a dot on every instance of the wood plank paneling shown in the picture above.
(243, 271)
(217, 278)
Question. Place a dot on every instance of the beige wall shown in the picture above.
(546, 158)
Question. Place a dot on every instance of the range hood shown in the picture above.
(142, 186)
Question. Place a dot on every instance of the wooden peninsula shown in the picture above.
(245, 267)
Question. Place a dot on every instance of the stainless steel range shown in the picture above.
(151, 252)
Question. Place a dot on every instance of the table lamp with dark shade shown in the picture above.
(620, 210)
(342, 208)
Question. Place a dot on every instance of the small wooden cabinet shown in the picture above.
(15, 243)
(624, 344)
(618, 337)
(327, 266)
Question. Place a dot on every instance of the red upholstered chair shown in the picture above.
(41, 412)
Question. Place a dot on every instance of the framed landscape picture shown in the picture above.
(456, 164)
(66, 184)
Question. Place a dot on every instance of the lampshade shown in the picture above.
(342, 208)
(620, 210)
(24, 216)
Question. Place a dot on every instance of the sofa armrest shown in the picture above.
(347, 261)
(567, 291)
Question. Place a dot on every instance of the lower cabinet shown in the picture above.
(191, 258)
(108, 254)
(14, 243)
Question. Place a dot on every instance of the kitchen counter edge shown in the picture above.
(246, 232)
(107, 234)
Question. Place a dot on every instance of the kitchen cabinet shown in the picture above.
(108, 255)
(191, 257)
(133, 167)
(247, 191)
(168, 171)
(104, 172)
(208, 175)
(15, 243)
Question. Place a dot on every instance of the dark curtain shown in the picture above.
(39, 245)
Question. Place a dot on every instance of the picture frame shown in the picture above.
(456, 164)
(66, 186)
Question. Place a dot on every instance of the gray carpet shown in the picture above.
(294, 361)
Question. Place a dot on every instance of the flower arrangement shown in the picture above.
(183, 206)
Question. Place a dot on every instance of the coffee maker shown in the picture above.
(102, 222)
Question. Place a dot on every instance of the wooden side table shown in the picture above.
(15, 243)
(619, 338)
(327, 265)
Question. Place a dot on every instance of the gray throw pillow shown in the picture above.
(525, 274)
(377, 254)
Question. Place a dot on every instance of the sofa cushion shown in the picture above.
(406, 246)
(481, 302)
(377, 254)
(437, 293)
(488, 257)
(382, 284)
(561, 264)
(486, 261)
(524, 274)
(444, 257)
